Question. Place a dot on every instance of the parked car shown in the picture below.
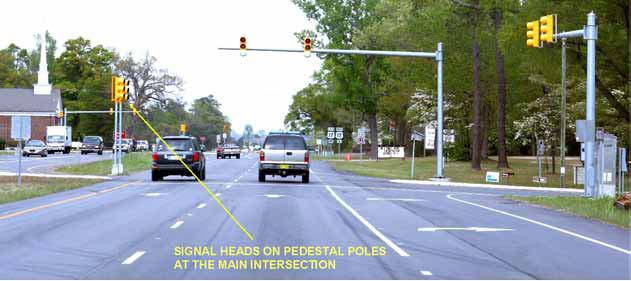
(284, 154)
(228, 150)
(164, 163)
(92, 144)
(142, 145)
(35, 147)
(126, 145)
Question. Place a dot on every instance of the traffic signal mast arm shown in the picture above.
(346, 52)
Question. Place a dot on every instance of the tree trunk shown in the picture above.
(502, 159)
(484, 131)
(374, 142)
(554, 152)
(477, 101)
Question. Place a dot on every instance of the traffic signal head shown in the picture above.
(548, 28)
(119, 89)
(307, 47)
(533, 34)
(243, 45)
(60, 114)
(183, 128)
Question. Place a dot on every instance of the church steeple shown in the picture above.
(42, 87)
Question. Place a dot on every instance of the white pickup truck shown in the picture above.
(58, 139)
(228, 150)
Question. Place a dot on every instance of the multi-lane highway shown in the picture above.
(128, 228)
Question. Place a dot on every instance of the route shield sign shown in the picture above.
(361, 140)
(339, 135)
(330, 135)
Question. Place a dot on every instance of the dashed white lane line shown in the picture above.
(202, 205)
(131, 259)
(218, 194)
(176, 224)
(426, 273)
(236, 180)
(370, 227)
(228, 186)
(628, 252)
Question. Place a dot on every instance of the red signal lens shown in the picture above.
(308, 41)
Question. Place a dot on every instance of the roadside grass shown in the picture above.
(132, 162)
(457, 171)
(601, 209)
(37, 186)
(7, 152)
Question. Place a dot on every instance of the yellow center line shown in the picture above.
(133, 108)
(61, 202)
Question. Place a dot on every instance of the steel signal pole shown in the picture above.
(563, 109)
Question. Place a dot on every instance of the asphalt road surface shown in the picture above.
(128, 228)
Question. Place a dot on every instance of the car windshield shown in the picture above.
(91, 140)
(55, 138)
(177, 145)
(35, 143)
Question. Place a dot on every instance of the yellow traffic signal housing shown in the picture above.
(307, 47)
(119, 89)
(183, 128)
(111, 111)
(533, 34)
(226, 127)
(60, 114)
(243, 45)
(548, 28)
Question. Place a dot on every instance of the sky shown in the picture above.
(184, 37)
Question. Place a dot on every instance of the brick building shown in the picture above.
(42, 103)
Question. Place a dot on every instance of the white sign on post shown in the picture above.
(339, 129)
(330, 135)
(391, 152)
(493, 177)
(339, 135)
(25, 123)
(361, 140)
(430, 135)
(318, 141)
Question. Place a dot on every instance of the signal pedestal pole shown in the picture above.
(563, 109)
(114, 161)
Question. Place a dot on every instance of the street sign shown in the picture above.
(24, 132)
(218, 138)
(540, 148)
(330, 135)
(416, 136)
(391, 152)
(339, 129)
(331, 129)
(362, 132)
(331, 140)
(225, 136)
(318, 141)
(361, 140)
(430, 135)
(339, 135)
(339, 141)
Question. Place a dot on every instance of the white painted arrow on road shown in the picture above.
(476, 229)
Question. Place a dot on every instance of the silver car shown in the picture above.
(284, 154)
(35, 147)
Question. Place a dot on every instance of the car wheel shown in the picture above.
(239, 156)
(156, 176)
(203, 177)
(100, 153)
(261, 176)
(305, 178)
(218, 156)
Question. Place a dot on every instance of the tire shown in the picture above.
(239, 156)
(156, 176)
(305, 178)
(261, 176)
(218, 157)
(203, 177)
(100, 152)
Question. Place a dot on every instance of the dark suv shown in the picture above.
(284, 154)
(164, 163)
(92, 144)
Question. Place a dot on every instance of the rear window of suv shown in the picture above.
(177, 145)
(285, 143)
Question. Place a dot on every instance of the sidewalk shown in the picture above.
(482, 185)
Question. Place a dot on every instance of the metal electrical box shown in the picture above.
(606, 155)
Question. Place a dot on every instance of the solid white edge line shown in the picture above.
(426, 273)
(176, 224)
(374, 230)
(628, 252)
(131, 259)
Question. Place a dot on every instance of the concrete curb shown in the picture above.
(56, 176)
(492, 186)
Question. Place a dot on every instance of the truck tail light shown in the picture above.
(196, 156)
(154, 157)
(307, 157)
(262, 156)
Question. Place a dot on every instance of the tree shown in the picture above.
(206, 118)
(149, 83)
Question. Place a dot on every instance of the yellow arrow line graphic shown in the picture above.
(191, 171)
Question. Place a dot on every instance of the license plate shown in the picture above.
(284, 167)
(172, 157)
